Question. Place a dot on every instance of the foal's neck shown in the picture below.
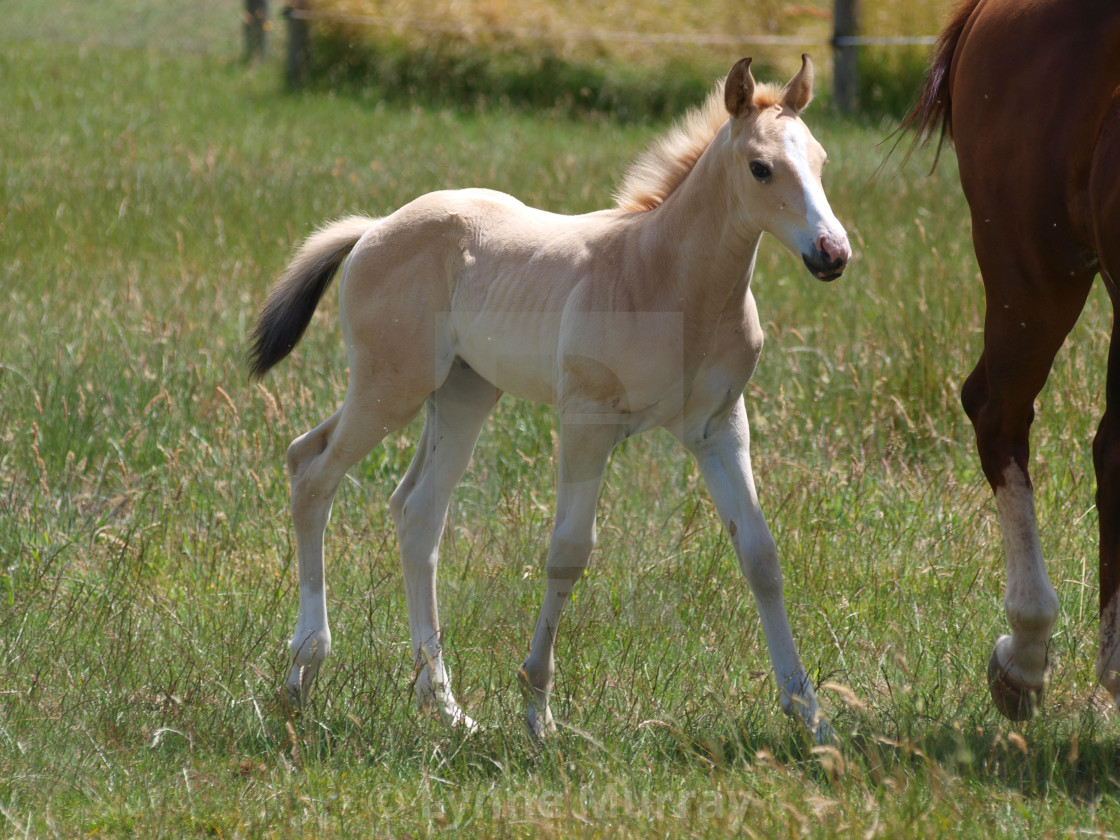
(707, 250)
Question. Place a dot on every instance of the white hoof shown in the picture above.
(823, 733)
(541, 725)
(537, 713)
(1012, 695)
(456, 718)
(799, 701)
(434, 693)
(298, 686)
(309, 650)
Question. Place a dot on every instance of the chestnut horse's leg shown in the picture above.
(1032, 303)
(1105, 197)
(455, 414)
(1106, 460)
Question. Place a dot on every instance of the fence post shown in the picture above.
(845, 55)
(256, 17)
(299, 41)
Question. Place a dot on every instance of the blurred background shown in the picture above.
(633, 60)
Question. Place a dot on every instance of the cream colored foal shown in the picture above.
(625, 319)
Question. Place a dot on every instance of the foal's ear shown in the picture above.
(799, 90)
(738, 90)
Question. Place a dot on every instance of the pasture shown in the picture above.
(149, 195)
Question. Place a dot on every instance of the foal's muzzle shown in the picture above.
(828, 259)
(824, 267)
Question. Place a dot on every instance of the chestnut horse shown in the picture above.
(624, 319)
(1029, 93)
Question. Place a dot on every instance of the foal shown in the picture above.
(624, 319)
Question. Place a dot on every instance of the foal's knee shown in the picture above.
(419, 527)
(758, 559)
(568, 555)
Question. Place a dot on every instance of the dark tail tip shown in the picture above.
(288, 310)
(266, 347)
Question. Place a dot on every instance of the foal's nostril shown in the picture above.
(836, 251)
(827, 248)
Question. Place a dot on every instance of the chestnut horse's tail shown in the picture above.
(292, 301)
(933, 112)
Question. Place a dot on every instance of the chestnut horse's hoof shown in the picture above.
(1014, 701)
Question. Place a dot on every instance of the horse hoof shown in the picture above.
(541, 726)
(1013, 701)
(291, 701)
(538, 715)
(823, 734)
(457, 719)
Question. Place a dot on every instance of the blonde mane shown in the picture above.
(668, 160)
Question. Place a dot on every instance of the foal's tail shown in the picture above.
(292, 301)
(933, 110)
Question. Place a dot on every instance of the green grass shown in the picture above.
(148, 197)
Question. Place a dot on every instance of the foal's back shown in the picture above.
(510, 286)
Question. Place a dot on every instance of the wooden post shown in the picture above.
(256, 18)
(299, 41)
(845, 55)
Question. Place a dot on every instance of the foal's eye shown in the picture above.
(761, 171)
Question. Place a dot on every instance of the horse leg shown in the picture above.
(1105, 193)
(583, 451)
(723, 452)
(317, 461)
(1106, 460)
(311, 642)
(454, 417)
(1026, 322)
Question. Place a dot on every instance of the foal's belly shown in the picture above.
(514, 351)
(615, 368)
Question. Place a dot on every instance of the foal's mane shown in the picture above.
(663, 166)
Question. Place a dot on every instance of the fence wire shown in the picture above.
(702, 40)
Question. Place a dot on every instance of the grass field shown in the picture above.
(151, 188)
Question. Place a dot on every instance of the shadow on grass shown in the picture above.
(1076, 758)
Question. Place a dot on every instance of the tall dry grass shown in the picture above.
(609, 57)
